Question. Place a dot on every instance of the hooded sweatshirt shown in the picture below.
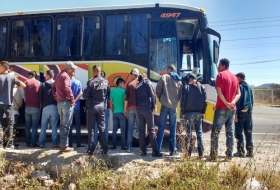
(169, 90)
(246, 99)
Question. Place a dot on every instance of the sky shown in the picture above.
(249, 29)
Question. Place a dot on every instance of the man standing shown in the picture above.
(243, 118)
(117, 97)
(50, 112)
(193, 107)
(95, 94)
(32, 109)
(228, 94)
(65, 103)
(168, 91)
(130, 107)
(77, 90)
(7, 83)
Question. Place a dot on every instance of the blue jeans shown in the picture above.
(96, 131)
(244, 123)
(194, 121)
(49, 113)
(119, 119)
(164, 111)
(32, 117)
(222, 117)
(65, 111)
(77, 118)
(132, 121)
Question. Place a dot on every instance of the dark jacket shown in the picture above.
(96, 91)
(246, 99)
(45, 94)
(193, 98)
(145, 96)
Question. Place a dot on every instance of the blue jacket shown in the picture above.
(246, 99)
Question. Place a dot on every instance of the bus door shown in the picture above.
(163, 46)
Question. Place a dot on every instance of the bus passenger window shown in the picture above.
(67, 36)
(116, 35)
(21, 38)
(41, 38)
(3, 38)
(91, 36)
(138, 33)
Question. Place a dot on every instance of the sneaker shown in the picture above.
(239, 154)
(81, 146)
(156, 154)
(128, 149)
(173, 153)
(113, 147)
(212, 159)
(250, 154)
(228, 159)
(143, 153)
(66, 149)
(42, 146)
(123, 148)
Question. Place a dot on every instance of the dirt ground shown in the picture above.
(266, 157)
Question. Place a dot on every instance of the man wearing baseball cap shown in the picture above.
(130, 106)
(243, 118)
(62, 93)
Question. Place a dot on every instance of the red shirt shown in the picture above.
(61, 88)
(31, 92)
(228, 83)
(130, 94)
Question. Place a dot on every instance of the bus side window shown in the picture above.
(67, 36)
(3, 38)
(116, 35)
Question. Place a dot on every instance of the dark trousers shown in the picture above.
(96, 115)
(77, 119)
(146, 117)
(245, 124)
(8, 110)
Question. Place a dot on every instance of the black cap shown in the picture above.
(241, 75)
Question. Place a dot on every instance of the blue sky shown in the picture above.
(249, 29)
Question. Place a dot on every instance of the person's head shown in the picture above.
(73, 75)
(192, 78)
(171, 68)
(96, 70)
(49, 74)
(120, 82)
(142, 76)
(223, 64)
(4, 66)
(134, 73)
(240, 76)
(32, 74)
(103, 74)
(70, 67)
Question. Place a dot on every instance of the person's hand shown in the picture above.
(235, 118)
(230, 106)
(73, 102)
(126, 112)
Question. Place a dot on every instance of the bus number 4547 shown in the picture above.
(170, 15)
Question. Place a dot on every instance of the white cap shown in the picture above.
(70, 64)
(135, 71)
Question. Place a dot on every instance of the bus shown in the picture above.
(118, 38)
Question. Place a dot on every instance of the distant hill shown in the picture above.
(267, 85)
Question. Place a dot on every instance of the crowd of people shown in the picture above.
(59, 100)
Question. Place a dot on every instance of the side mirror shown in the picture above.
(215, 51)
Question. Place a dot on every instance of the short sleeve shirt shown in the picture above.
(228, 83)
(117, 96)
(76, 87)
(7, 83)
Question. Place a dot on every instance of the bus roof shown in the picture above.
(118, 7)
